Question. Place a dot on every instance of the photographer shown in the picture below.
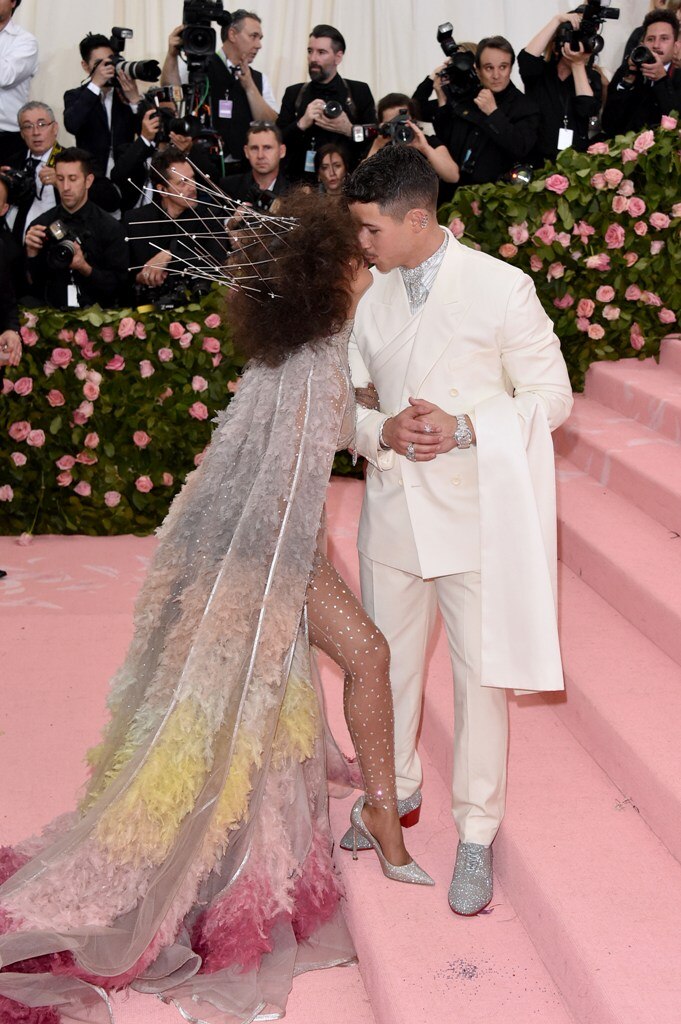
(101, 113)
(563, 85)
(88, 263)
(18, 63)
(264, 151)
(32, 190)
(488, 131)
(238, 94)
(177, 233)
(426, 105)
(324, 108)
(647, 85)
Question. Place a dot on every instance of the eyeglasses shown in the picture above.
(27, 126)
(262, 124)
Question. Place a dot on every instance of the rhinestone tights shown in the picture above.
(341, 628)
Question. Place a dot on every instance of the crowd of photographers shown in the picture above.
(131, 213)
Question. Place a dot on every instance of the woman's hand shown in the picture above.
(367, 397)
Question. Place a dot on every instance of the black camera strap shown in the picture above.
(349, 104)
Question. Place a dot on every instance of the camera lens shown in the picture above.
(333, 109)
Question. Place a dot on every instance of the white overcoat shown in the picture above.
(485, 347)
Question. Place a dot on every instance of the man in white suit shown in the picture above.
(459, 508)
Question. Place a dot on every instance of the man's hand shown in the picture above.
(175, 41)
(10, 348)
(128, 88)
(35, 239)
(182, 142)
(413, 426)
(153, 273)
(574, 57)
(79, 263)
(312, 111)
(48, 175)
(103, 74)
(342, 125)
(151, 122)
(447, 424)
(485, 101)
(367, 397)
(654, 72)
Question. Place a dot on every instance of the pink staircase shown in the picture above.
(586, 921)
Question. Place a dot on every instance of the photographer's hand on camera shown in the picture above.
(153, 273)
(182, 142)
(79, 263)
(10, 348)
(35, 240)
(170, 73)
(103, 74)
(128, 89)
(151, 124)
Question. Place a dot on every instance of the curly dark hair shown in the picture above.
(307, 292)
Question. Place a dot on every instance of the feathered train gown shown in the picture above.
(198, 864)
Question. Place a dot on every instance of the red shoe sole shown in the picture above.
(411, 818)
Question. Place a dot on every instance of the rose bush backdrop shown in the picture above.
(600, 234)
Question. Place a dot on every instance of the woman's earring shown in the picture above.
(424, 222)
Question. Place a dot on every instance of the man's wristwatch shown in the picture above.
(463, 435)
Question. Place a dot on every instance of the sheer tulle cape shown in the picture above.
(198, 865)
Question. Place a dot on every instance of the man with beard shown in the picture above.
(327, 106)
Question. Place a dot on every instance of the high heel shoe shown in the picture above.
(410, 872)
(409, 811)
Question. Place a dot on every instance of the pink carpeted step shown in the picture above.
(635, 462)
(670, 353)
(632, 561)
(642, 390)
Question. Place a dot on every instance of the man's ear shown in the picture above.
(418, 219)
(88, 181)
(282, 151)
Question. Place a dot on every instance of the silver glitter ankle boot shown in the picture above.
(471, 887)
(407, 809)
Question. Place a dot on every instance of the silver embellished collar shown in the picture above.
(419, 280)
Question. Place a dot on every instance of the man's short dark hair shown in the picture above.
(17, 5)
(161, 164)
(329, 32)
(256, 127)
(397, 178)
(494, 43)
(238, 18)
(668, 17)
(398, 99)
(92, 41)
(76, 155)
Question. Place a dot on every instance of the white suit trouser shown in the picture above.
(404, 608)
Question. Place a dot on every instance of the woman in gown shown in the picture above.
(198, 864)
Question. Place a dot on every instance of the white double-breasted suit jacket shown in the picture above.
(484, 347)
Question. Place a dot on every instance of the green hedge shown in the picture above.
(600, 234)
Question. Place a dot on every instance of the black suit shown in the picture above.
(357, 102)
(240, 186)
(559, 105)
(85, 117)
(629, 108)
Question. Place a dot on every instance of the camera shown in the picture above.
(594, 13)
(20, 186)
(61, 246)
(397, 130)
(641, 55)
(199, 40)
(333, 109)
(172, 293)
(260, 198)
(146, 70)
(459, 78)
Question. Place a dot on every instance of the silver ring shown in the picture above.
(411, 454)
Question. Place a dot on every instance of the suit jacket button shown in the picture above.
(453, 392)
(456, 480)
(400, 483)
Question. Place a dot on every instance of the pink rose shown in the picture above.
(644, 141)
(64, 479)
(211, 345)
(582, 323)
(651, 299)
(508, 250)
(212, 321)
(80, 371)
(601, 261)
(65, 335)
(23, 386)
(636, 339)
(112, 499)
(87, 459)
(216, 360)
(91, 439)
(636, 207)
(83, 489)
(546, 234)
(91, 391)
(676, 210)
(6, 493)
(175, 330)
(141, 438)
(80, 418)
(620, 204)
(565, 302)
(28, 336)
(61, 357)
(557, 183)
(146, 369)
(611, 312)
(94, 377)
(36, 438)
(585, 307)
(20, 430)
(599, 148)
(629, 156)
(656, 247)
(626, 188)
(126, 327)
(116, 363)
(596, 332)
(168, 479)
(519, 233)
(31, 319)
(24, 540)
(615, 236)
(667, 122)
(605, 293)
(630, 258)
(535, 263)
(164, 395)
(66, 462)
(107, 333)
(667, 316)
(81, 337)
(633, 293)
(165, 354)
(140, 331)
(641, 228)
(89, 351)
(193, 328)
(198, 411)
(185, 340)
(613, 177)
(598, 181)
(659, 221)
(199, 384)
(457, 227)
(555, 271)
(475, 208)
(583, 231)
(144, 484)
(563, 239)
(7, 386)
(549, 217)
(18, 458)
